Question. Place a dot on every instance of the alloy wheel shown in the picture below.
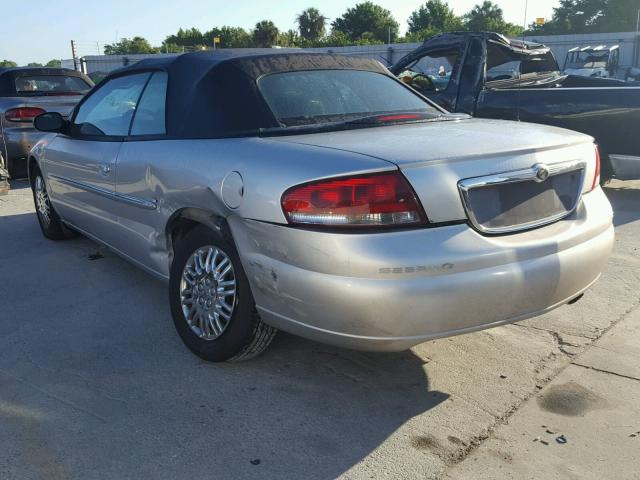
(43, 205)
(208, 292)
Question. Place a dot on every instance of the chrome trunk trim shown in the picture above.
(537, 173)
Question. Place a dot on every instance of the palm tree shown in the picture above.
(265, 34)
(311, 24)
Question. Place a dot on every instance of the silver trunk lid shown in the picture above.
(436, 157)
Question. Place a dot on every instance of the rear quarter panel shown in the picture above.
(180, 174)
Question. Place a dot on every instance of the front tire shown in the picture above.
(50, 223)
(211, 302)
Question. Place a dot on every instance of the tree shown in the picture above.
(130, 46)
(367, 21)
(618, 16)
(34, 64)
(290, 38)
(265, 34)
(230, 37)
(434, 15)
(335, 39)
(488, 17)
(8, 64)
(191, 37)
(590, 16)
(54, 63)
(311, 24)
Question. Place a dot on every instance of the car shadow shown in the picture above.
(19, 184)
(97, 380)
(625, 200)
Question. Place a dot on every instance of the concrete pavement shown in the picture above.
(584, 425)
(94, 382)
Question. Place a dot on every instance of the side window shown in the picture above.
(110, 109)
(431, 73)
(150, 114)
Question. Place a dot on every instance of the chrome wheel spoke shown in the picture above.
(42, 200)
(208, 292)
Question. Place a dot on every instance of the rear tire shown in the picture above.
(50, 223)
(212, 306)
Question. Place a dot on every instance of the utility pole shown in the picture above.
(74, 55)
(637, 41)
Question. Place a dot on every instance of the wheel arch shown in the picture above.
(32, 165)
(186, 219)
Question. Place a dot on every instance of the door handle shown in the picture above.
(106, 169)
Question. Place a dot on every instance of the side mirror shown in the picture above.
(50, 122)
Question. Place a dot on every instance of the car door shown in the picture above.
(80, 166)
(138, 184)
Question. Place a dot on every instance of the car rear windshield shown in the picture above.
(325, 96)
(33, 85)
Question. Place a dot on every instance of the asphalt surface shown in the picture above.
(95, 383)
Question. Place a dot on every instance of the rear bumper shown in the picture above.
(390, 291)
(18, 143)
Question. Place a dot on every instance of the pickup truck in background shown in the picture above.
(487, 75)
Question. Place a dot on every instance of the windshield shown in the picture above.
(50, 85)
(324, 96)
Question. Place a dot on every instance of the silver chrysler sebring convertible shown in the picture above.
(319, 195)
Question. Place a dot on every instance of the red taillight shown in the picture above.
(376, 200)
(23, 114)
(596, 175)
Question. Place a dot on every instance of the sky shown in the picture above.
(40, 30)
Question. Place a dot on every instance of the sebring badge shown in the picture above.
(541, 171)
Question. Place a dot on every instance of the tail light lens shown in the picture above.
(596, 175)
(377, 200)
(23, 114)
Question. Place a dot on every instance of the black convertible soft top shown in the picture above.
(215, 94)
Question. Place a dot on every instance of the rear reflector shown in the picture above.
(23, 114)
(376, 200)
(596, 175)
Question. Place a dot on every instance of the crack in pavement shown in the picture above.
(53, 396)
(477, 440)
(596, 369)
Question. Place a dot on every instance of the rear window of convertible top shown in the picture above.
(321, 96)
(34, 85)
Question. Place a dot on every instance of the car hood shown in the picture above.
(438, 141)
